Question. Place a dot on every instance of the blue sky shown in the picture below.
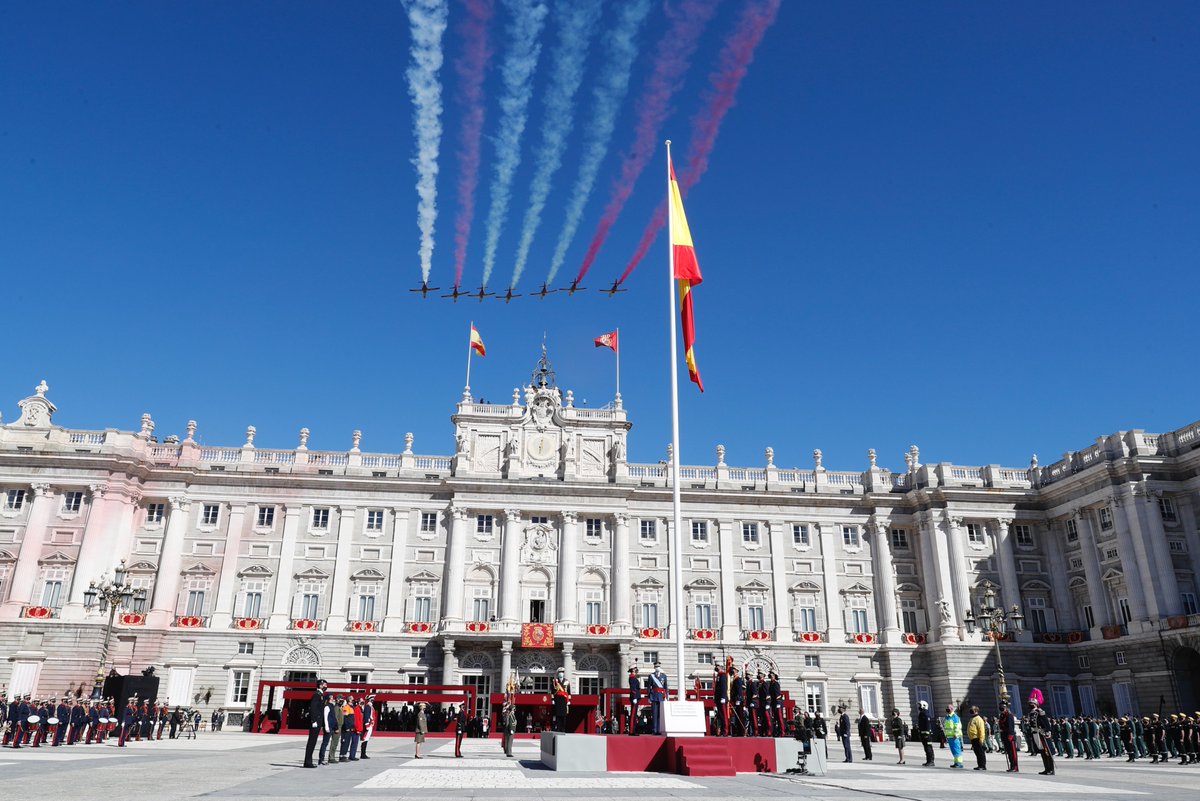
(966, 226)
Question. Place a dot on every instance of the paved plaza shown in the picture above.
(232, 765)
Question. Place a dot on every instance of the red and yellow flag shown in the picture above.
(687, 272)
(608, 340)
(477, 342)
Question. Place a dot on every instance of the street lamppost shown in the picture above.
(996, 620)
(113, 595)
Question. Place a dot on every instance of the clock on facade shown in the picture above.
(541, 447)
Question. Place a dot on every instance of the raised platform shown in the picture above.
(688, 756)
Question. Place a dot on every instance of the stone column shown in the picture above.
(449, 662)
(729, 616)
(96, 549)
(835, 621)
(1155, 535)
(1010, 589)
(957, 566)
(123, 537)
(222, 616)
(170, 563)
(568, 656)
(510, 568)
(885, 582)
(394, 617)
(347, 517)
(625, 657)
(454, 582)
(1064, 610)
(506, 647)
(26, 570)
(938, 567)
(281, 606)
(568, 570)
(1135, 558)
(1102, 612)
(779, 594)
(622, 606)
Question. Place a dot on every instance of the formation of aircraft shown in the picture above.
(508, 295)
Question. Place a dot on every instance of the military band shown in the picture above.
(68, 721)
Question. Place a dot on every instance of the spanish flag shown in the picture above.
(477, 342)
(687, 272)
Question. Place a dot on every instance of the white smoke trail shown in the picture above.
(528, 17)
(427, 19)
(577, 22)
(608, 95)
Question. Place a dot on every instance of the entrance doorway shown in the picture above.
(1187, 678)
(483, 687)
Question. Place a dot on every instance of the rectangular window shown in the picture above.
(750, 533)
(1076, 563)
(648, 530)
(1111, 553)
(1189, 603)
(1085, 662)
(812, 660)
(537, 610)
(592, 612)
(868, 696)
(593, 528)
(374, 520)
(1060, 700)
(362, 650)
(704, 616)
(900, 539)
(429, 522)
(320, 518)
(210, 515)
(366, 607)
(858, 621)
(1024, 535)
(1072, 530)
(704, 658)
(245, 647)
(15, 500)
(1088, 616)
(155, 512)
(755, 618)
(71, 502)
(423, 610)
(1126, 614)
(417, 678)
(1087, 699)
(814, 697)
(975, 534)
(650, 615)
(252, 604)
(700, 531)
(1167, 507)
(1106, 518)
(195, 603)
(806, 618)
(416, 652)
(52, 594)
(910, 618)
(539, 520)
(850, 536)
(1125, 697)
(1120, 657)
(310, 605)
(649, 657)
(800, 534)
(485, 524)
(481, 609)
(358, 678)
(241, 687)
(266, 517)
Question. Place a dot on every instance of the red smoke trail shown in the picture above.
(470, 66)
(732, 66)
(687, 21)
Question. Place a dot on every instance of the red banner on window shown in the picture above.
(537, 635)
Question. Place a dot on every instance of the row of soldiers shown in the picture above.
(747, 707)
(1160, 738)
(71, 721)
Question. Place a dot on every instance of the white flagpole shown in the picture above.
(618, 344)
(470, 350)
(678, 623)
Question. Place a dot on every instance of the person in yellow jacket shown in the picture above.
(952, 728)
(977, 734)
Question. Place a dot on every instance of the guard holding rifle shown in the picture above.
(562, 700)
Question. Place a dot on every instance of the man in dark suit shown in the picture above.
(865, 733)
(843, 732)
(635, 699)
(316, 710)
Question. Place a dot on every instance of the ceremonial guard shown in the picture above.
(508, 723)
(164, 712)
(635, 700)
(1008, 736)
(737, 699)
(62, 720)
(37, 722)
(1040, 727)
(764, 707)
(751, 705)
(368, 712)
(561, 689)
(658, 696)
(10, 719)
(127, 723)
(721, 698)
(80, 714)
(316, 709)
(94, 729)
(775, 698)
(459, 716)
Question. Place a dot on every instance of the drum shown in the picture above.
(33, 719)
(102, 720)
(52, 721)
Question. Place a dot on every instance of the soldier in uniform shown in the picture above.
(775, 698)
(335, 740)
(561, 690)
(737, 698)
(10, 720)
(459, 716)
(368, 710)
(128, 722)
(658, 696)
(635, 700)
(1039, 725)
(79, 720)
(41, 709)
(751, 705)
(721, 700)
(764, 707)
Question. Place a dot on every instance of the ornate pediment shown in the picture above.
(805, 586)
(56, 558)
(7, 556)
(857, 588)
(1034, 584)
(142, 567)
(701, 584)
(907, 588)
(650, 583)
(754, 585)
(313, 574)
(36, 410)
(255, 571)
(199, 569)
(1112, 574)
(423, 576)
(367, 574)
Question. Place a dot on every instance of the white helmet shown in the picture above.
(923, 705)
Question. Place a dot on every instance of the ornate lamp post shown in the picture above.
(996, 621)
(113, 595)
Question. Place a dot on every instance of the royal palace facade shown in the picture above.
(260, 564)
